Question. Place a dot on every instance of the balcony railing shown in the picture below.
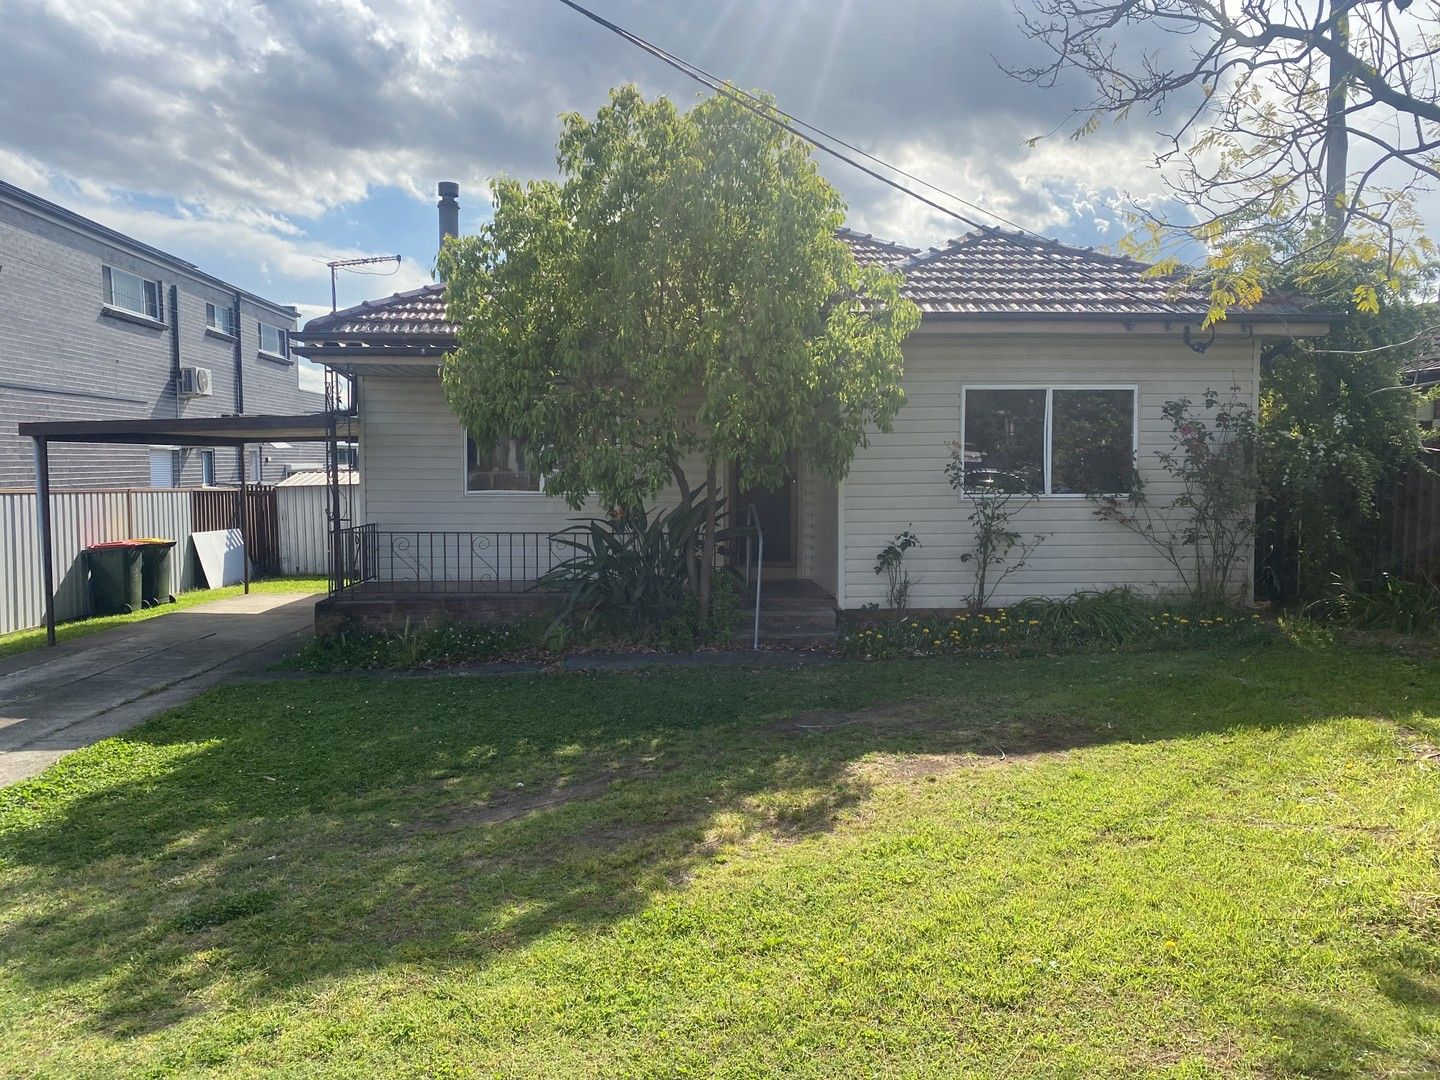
(408, 560)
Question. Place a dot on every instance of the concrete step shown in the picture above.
(819, 620)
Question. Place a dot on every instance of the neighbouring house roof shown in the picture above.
(1424, 369)
(985, 274)
(317, 478)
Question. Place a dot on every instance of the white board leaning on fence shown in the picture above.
(221, 556)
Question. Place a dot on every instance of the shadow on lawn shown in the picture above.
(346, 826)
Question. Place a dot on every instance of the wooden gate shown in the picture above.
(213, 509)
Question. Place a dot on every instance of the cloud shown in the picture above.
(258, 128)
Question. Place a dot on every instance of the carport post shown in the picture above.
(244, 516)
(42, 523)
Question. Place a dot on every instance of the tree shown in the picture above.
(1285, 117)
(678, 296)
(1337, 427)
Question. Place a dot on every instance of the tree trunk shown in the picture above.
(1337, 139)
(692, 563)
(707, 558)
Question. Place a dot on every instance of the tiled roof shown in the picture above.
(990, 272)
(987, 273)
(419, 312)
(871, 249)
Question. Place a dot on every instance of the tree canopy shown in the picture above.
(1283, 118)
(678, 295)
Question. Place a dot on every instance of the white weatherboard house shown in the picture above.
(1033, 354)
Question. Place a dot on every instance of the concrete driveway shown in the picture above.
(56, 700)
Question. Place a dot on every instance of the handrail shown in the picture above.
(752, 519)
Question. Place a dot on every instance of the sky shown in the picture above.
(260, 139)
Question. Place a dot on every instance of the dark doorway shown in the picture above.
(775, 507)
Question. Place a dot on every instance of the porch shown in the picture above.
(388, 579)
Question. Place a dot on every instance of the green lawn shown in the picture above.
(24, 640)
(1207, 863)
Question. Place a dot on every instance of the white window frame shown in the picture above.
(107, 293)
(227, 328)
(465, 476)
(207, 457)
(1050, 389)
(284, 354)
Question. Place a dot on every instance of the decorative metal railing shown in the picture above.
(403, 560)
(417, 560)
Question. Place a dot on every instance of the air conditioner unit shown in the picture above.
(195, 382)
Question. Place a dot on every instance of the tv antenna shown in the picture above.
(342, 264)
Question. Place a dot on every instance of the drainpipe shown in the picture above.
(239, 374)
(175, 346)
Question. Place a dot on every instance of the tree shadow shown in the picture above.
(347, 825)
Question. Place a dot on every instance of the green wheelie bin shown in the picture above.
(155, 570)
(114, 576)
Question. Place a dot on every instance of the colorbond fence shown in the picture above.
(293, 541)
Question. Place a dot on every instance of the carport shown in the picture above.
(206, 431)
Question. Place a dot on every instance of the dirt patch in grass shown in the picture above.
(955, 738)
(520, 802)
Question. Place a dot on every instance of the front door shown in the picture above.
(775, 507)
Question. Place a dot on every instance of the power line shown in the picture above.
(769, 113)
(715, 82)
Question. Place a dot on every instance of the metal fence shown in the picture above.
(386, 560)
(303, 521)
(80, 518)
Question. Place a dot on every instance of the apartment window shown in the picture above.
(502, 466)
(207, 468)
(162, 467)
(1071, 440)
(273, 341)
(130, 292)
(220, 318)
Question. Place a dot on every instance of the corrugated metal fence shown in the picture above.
(82, 518)
(304, 529)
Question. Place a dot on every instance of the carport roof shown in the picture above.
(184, 431)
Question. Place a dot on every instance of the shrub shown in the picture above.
(422, 647)
(1390, 603)
(891, 563)
(630, 572)
(1207, 530)
(1113, 619)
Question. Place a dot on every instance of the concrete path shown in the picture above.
(55, 700)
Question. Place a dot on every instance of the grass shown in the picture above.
(1187, 864)
(24, 640)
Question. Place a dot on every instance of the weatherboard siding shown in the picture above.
(412, 465)
(898, 480)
